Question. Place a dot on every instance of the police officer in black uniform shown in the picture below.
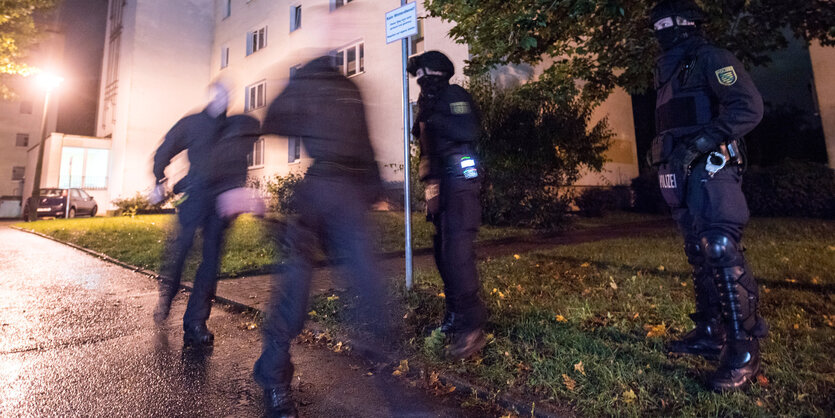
(447, 127)
(326, 110)
(706, 102)
(197, 134)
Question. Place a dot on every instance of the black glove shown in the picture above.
(683, 157)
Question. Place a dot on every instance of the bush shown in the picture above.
(595, 202)
(138, 205)
(280, 191)
(793, 188)
(648, 198)
(536, 138)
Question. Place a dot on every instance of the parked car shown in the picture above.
(53, 204)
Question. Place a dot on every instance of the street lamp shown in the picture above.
(47, 82)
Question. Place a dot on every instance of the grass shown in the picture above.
(140, 240)
(586, 325)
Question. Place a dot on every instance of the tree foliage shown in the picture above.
(609, 43)
(18, 33)
(535, 142)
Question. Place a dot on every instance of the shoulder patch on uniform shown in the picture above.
(726, 75)
(459, 108)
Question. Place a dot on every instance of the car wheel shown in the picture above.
(94, 211)
(71, 214)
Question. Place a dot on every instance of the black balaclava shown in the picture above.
(668, 38)
(431, 86)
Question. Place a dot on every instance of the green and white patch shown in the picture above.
(459, 108)
(726, 76)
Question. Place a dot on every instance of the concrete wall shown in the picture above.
(823, 65)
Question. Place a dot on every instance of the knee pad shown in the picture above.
(720, 250)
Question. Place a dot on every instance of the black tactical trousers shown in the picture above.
(456, 227)
(332, 211)
(714, 217)
(197, 211)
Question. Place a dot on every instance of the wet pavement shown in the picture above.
(77, 339)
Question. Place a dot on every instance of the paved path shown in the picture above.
(76, 339)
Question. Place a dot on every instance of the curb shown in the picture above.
(462, 386)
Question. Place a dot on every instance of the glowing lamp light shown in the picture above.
(48, 81)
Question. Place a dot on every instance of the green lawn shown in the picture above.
(140, 240)
(586, 325)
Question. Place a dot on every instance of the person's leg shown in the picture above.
(287, 310)
(189, 218)
(205, 282)
(460, 221)
(708, 336)
(720, 223)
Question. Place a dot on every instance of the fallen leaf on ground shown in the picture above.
(441, 295)
(570, 383)
(760, 403)
(332, 298)
(560, 318)
(585, 265)
(312, 313)
(579, 367)
(629, 396)
(762, 380)
(661, 268)
(516, 256)
(831, 248)
(655, 330)
(612, 284)
(636, 315)
(501, 295)
(402, 368)
(796, 326)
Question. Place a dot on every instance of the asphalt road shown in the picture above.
(77, 339)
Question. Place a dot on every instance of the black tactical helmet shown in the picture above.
(431, 60)
(687, 9)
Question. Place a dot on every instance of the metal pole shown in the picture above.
(36, 181)
(406, 157)
(69, 186)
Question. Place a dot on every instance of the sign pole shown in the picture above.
(407, 207)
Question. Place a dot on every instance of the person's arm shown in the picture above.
(740, 106)
(173, 144)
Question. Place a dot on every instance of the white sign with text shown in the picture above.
(401, 23)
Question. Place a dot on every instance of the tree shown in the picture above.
(609, 43)
(18, 33)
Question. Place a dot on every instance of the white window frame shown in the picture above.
(256, 40)
(255, 159)
(419, 38)
(224, 56)
(18, 169)
(296, 17)
(255, 96)
(337, 4)
(342, 54)
(18, 137)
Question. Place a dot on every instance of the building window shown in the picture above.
(227, 10)
(335, 4)
(295, 17)
(351, 60)
(22, 140)
(416, 41)
(83, 167)
(26, 107)
(255, 158)
(17, 173)
(294, 149)
(256, 96)
(256, 40)
(224, 57)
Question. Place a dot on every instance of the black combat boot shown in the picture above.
(706, 340)
(278, 403)
(197, 335)
(739, 362)
(466, 343)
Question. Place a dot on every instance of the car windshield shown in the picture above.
(51, 192)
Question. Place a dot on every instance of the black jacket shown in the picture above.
(450, 127)
(196, 134)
